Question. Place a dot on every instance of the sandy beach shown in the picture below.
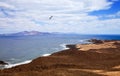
(99, 58)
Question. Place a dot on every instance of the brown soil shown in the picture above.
(101, 61)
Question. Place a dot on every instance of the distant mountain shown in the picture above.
(27, 33)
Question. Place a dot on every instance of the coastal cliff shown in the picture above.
(100, 58)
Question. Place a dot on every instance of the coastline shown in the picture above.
(7, 65)
(78, 60)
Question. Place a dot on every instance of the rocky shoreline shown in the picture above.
(3, 63)
(98, 59)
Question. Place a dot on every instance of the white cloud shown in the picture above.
(68, 16)
(5, 5)
(115, 15)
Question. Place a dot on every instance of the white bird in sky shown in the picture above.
(50, 17)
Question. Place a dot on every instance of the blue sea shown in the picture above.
(22, 49)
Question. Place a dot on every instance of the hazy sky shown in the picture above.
(69, 16)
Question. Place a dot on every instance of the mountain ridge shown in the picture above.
(26, 33)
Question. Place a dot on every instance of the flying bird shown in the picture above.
(50, 17)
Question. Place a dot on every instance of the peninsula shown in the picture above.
(99, 58)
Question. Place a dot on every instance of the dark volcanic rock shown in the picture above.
(71, 46)
(3, 63)
(96, 41)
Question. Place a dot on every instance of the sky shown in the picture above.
(67, 16)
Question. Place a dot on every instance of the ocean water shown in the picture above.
(19, 50)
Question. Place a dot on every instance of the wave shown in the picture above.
(46, 55)
(21, 63)
(84, 41)
(64, 46)
(28, 61)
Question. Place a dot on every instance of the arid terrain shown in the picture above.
(102, 58)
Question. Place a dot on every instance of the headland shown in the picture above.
(99, 58)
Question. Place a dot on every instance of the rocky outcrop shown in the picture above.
(96, 41)
(3, 63)
(72, 46)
